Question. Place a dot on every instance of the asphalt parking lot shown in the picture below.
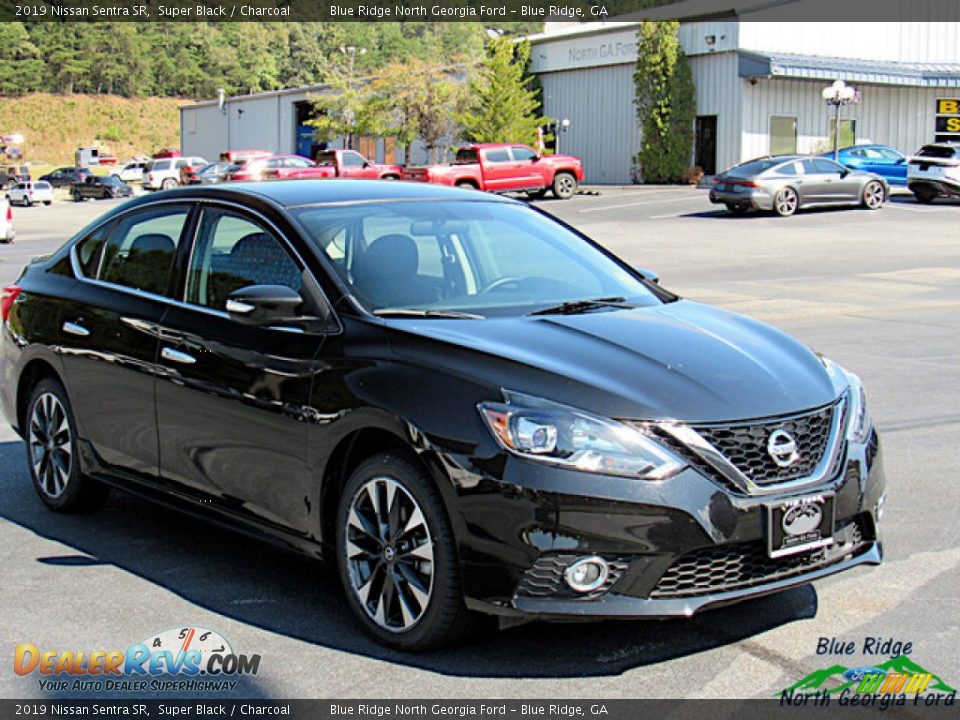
(877, 291)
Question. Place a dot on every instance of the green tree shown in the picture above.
(666, 104)
(20, 65)
(504, 107)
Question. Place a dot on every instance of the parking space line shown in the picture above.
(636, 204)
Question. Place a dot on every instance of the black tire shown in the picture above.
(925, 195)
(52, 453)
(77, 197)
(537, 194)
(564, 185)
(737, 209)
(786, 201)
(442, 618)
(466, 185)
(48, 202)
(169, 183)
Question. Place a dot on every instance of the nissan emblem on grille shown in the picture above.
(782, 448)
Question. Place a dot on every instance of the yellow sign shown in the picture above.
(948, 107)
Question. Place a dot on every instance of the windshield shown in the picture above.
(483, 258)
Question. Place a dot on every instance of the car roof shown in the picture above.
(293, 193)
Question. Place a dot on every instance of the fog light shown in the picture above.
(881, 504)
(586, 574)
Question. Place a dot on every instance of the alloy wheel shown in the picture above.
(873, 195)
(566, 185)
(389, 553)
(786, 201)
(51, 445)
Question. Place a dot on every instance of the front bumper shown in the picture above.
(755, 198)
(675, 547)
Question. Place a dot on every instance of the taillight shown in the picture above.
(9, 215)
(740, 183)
(7, 298)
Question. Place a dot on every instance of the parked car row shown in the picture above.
(861, 176)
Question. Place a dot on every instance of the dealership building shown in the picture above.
(758, 91)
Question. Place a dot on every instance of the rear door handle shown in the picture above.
(75, 329)
(177, 356)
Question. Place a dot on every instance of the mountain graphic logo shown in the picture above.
(836, 678)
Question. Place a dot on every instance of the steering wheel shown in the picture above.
(502, 282)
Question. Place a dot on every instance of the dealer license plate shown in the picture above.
(799, 525)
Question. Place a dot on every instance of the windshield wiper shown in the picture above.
(413, 312)
(574, 307)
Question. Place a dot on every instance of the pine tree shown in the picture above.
(505, 106)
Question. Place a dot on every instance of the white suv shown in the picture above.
(935, 171)
(7, 232)
(164, 173)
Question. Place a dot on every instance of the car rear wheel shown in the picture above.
(51, 436)
(77, 197)
(785, 202)
(48, 202)
(564, 186)
(466, 185)
(925, 195)
(737, 209)
(873, 195)
(169, 183)
(397, 558)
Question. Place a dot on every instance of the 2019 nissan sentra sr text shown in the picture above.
(469, 405)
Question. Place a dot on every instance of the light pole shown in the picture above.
(837, 95)
(351, 51)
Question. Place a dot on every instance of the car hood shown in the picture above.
(681, 361)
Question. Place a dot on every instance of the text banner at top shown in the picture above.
(490, 12)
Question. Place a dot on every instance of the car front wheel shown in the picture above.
(785, 202)
(397, 558)
(51, 436)
(169, 183)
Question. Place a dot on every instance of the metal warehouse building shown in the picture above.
(758, 90)
(758, 87)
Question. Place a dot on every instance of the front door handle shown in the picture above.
(177, 356)
(75, 329)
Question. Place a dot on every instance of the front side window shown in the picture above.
(522, 154)
(233, 252)
(88, 250)
(826, 167)
(478, 257)
(140, 251)
(352, 159)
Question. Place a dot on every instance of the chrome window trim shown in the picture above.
(823, 472)
(79, 276)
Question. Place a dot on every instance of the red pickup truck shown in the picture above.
(505, 168)
(351, 164)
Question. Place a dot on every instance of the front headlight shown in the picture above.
(547, 432)
(858, 427)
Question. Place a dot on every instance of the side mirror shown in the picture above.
(648, 275)
(264, 305)
(901, 160)
(844, 173)
(536, 158)
(366, 163)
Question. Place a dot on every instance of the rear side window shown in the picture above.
(826, 167)
(498, 156)
(140, 251)
(466, 156)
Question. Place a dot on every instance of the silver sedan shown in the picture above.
(787, 183)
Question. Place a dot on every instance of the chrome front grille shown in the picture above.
(735, 454)
(745, 445)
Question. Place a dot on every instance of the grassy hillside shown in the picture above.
(54, 126)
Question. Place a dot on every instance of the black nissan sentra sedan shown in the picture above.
(470, 405)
